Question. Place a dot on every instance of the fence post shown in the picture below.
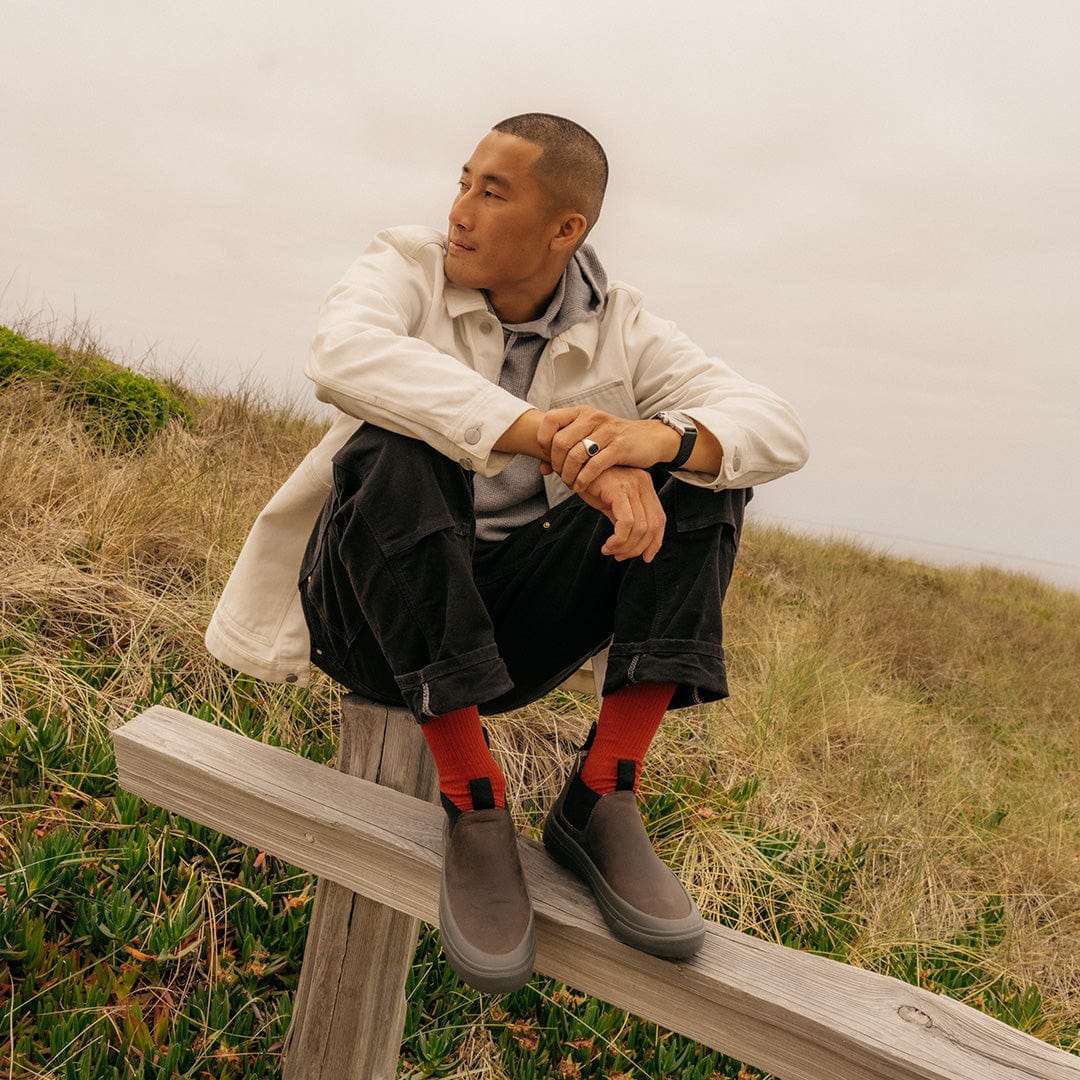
(349, 1010)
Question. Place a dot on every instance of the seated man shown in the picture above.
(526, 467)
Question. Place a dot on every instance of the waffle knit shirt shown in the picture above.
(516, 495)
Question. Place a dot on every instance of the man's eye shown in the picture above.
(492, 195)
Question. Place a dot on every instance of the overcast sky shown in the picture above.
(873, 208)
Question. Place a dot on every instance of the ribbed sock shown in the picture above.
(628, 720)
(456, 741)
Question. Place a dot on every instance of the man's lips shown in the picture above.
(457, 247)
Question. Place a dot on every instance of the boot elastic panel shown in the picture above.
(579, 802)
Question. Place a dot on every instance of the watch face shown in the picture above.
(672, 421)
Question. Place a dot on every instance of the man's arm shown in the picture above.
(521, 437)
(555, 438)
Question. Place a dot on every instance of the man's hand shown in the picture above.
(638, 444)
(628, 499)
(622, 493)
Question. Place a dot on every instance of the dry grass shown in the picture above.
(927, 713)
(129, 551)
(931, 713)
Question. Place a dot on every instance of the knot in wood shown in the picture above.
(915, 1016)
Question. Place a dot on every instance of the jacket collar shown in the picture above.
(460, 301)
(581, 338)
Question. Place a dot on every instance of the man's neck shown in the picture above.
(526, 303)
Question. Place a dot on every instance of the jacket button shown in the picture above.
(465, 463)
(736, 462)
(292, 678)
(485, 327)
(472, 436)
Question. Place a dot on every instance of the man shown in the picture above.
(543, 470)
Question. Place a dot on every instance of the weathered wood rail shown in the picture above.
(799, 1016)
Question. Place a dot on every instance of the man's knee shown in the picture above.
(401, 488)
(398, 461)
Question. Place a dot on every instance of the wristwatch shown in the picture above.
(687, 430)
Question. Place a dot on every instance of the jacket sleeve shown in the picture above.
(761, 435)
(368, 359)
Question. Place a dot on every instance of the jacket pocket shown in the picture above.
(611, 396)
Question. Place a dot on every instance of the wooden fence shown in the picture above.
(378, 851)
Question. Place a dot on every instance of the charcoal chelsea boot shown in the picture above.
(485, 913)
(643, 902)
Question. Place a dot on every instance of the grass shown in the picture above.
(893, 782)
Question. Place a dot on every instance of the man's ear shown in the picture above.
(571, 228)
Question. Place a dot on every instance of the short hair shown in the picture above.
(573, 167)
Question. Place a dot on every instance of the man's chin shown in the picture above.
(459, 275)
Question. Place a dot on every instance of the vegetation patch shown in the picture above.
(118, 408)
(121, 408)
(21, 358)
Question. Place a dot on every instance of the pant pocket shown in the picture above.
(701, 508)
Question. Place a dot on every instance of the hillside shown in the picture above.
(894, 781)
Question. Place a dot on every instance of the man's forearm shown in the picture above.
(520, 436)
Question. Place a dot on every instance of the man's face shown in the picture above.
(501, 221)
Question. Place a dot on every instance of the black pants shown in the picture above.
(404, 605)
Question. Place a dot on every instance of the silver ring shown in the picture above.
(591, 448)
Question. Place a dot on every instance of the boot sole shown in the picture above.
(671, 939)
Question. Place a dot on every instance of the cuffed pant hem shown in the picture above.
(697, 670)
(455, 683)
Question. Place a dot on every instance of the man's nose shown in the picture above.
(461, 216)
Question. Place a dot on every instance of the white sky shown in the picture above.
(873, 208)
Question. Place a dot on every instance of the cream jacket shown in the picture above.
(399, 345)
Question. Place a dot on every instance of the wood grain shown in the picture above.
(799, 1016)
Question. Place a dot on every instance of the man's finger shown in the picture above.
(642, 533)
(631, 531)
(567, 448)
(553, 422)
(582, 465)
(621, 516)
(591, 468)
(639, 526)
(656, 533)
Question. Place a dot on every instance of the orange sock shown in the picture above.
(456, 741)
(627, 723)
